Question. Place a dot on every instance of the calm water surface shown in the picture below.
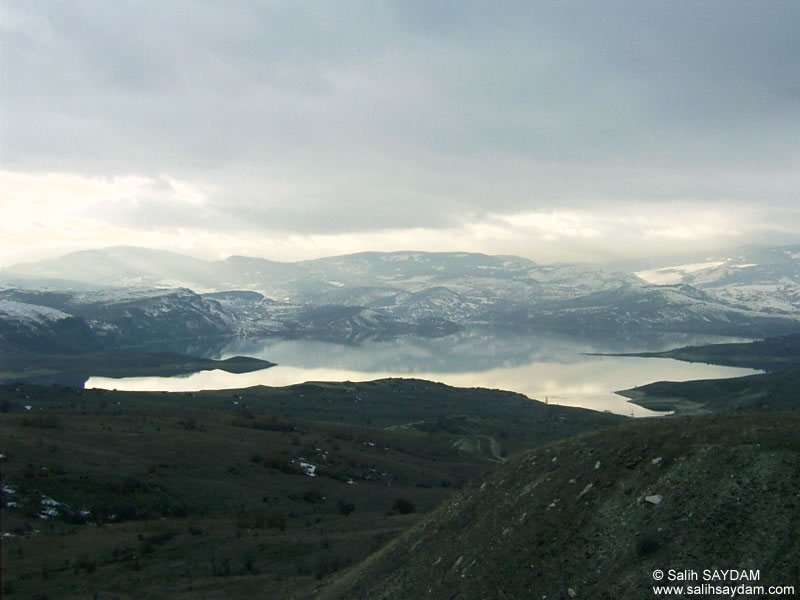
(549, 368)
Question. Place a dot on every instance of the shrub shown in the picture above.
(249, 564)
(162, 537)
(282, 463)
(88, 565)
(345, 508)
(403, 507)
(647, 543)
(330, 564)
(313, 497)
(261, 519)
(189, 423)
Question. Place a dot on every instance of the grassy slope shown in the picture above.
(573, 516)
(202, 495)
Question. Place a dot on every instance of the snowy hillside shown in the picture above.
(387, 294)
(32, 314)
(764, 279)
(41, 328)
(106, 319)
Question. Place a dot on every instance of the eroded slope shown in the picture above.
(594, 516)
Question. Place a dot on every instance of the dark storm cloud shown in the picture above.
(324, 117)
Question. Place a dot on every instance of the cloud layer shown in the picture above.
(380, 121)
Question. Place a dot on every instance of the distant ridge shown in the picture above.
(433, 293)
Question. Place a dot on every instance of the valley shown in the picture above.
(288, 482)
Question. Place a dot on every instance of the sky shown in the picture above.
(558, 131)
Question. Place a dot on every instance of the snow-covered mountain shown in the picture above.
(765, 279)
(386, 294)
(41, 328)
(321, 281)
(108, 318)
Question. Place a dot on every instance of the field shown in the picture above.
(248, 493)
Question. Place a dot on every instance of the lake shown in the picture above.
(547, 367)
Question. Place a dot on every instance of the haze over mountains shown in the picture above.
(125, 296)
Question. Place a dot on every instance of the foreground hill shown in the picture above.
(594, 516)
(255, 493)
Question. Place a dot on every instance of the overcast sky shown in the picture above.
(291, 130)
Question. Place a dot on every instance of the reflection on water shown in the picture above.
(547, 368)
(469, 350)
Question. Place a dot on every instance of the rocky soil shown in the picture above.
(594, 516)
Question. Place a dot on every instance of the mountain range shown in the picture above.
(126, 296)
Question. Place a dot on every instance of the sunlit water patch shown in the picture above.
(552, 370)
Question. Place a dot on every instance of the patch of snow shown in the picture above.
(584, 491)
(33, 313)
(309, 469)
(124, 294)
(672, 275)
